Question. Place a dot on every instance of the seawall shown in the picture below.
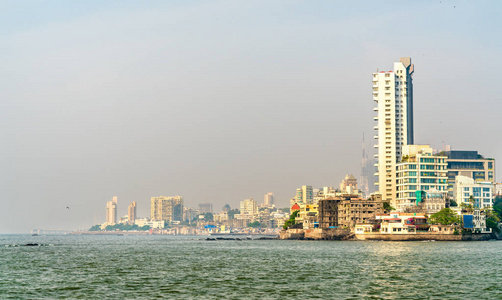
(316, 234)
(423, 237)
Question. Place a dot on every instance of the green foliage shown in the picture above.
(95, 228)
(492, 220)
(208, 217)
(291, 220)
(387, 206)
(497, 207)
(255, 224)
(453, 203)
(121, 227)
(472, 201)
(227, 208)
(446, 216)
(233, 212)
(467, 207)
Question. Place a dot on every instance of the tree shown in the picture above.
(497, 206)
(492, 220)
(446, 216)
(453, 203)
(95, 228)
(208, 217)
(387, 207)
(291, 220)
(233, 212)
(472, 201)
(226, 208)
(255, 224)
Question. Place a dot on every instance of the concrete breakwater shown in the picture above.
(346, 234)
(316, 234)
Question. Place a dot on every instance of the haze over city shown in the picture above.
(221, 101)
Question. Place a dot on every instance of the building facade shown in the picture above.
(166, 209)
(269, 200)
(111, 211)
(131, 213)
(470, 164)
(393, 93)
(465, 187)
(418, 172)
(249, 207)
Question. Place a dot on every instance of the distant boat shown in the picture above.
(34, 234)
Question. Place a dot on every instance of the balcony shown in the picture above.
(375, 165)
(375, 99)
(375, 146)
(375, 137)
(375, 127)
(375, 119)
(376, 183)
(376, 174)
(375, 108)
(375, 155)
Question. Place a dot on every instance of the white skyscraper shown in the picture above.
(111, 211)
(393, 93)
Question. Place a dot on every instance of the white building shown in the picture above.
(249, 207)
(393, 93)
(111, 211)
(464, 187)
(498, 189)
(419, 171)
(152, 223)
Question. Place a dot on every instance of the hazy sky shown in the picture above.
(218, 101)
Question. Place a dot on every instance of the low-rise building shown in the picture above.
(465, 187)
(152, 223)
(476, 221)
(347, 211)
(308, 216)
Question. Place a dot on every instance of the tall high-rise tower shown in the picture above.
(111, 211)
(131, 212)
(393, 93)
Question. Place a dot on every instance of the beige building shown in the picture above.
(393, 93)
(168, 209)
(249, 207)
(269, 200)
(111, 211)
(347, 211)
(131, 213)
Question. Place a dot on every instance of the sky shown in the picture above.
(219, 101)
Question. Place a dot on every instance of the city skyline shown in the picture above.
(115, 100)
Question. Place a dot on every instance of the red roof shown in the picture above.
(295, 207)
